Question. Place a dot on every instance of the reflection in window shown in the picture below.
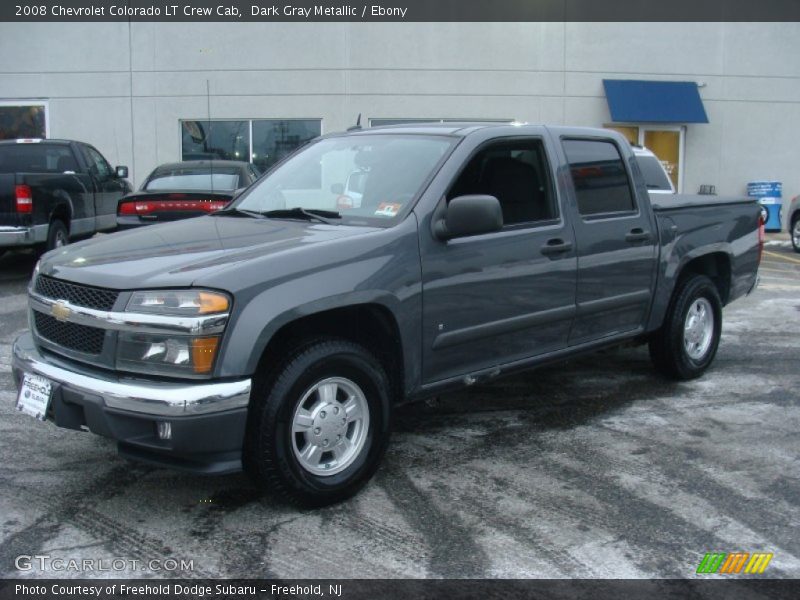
(226, 140)
(274, 139)
(22, 122)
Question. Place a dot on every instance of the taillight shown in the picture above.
(148, 207)
(24, 199)
(762, 235)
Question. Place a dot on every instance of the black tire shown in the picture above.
(269, 455)
(794, 233)
(57, 235)
(667, 349)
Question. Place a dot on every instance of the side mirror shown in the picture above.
(122, 172)
(469, 215)
(337, 188)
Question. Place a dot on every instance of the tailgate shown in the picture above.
(8, 204)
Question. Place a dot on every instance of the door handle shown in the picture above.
(637, 235)
(556, 246)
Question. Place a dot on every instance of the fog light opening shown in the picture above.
(164, 430)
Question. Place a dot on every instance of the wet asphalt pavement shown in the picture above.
(593, 468)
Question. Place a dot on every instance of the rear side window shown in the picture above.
(599, 176)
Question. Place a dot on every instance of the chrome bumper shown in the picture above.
(22, 236)
(135, 395)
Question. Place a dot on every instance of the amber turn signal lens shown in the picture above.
(212, 303)
(204, 350)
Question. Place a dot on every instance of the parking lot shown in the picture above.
(593, 468)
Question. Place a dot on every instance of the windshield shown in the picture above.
(653, 172)
(222, 179)
(367, 179)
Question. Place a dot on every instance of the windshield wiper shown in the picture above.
(298, 212)
(234, 211)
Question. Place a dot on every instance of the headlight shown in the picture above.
(171, 354)
(178, 302)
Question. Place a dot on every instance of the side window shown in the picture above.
(514, 172)
(97, 164)
(599, 177)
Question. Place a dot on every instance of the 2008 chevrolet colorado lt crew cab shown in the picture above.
(278, 334)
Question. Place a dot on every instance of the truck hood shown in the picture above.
(180, 252)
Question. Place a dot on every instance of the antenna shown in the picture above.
(357, 125)
(208, 116)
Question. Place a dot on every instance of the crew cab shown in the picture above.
(278, 334)
(52, 191)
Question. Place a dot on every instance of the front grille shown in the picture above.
(71, 336)
(79, 295)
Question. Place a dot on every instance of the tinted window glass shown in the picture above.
(599, 176)
(653, 172)
(516, 174)
(36, 158)
(205, 140)
(97, 164)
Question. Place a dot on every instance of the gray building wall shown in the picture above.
(124, 87)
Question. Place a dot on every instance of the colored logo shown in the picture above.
(735, 562)
(60, 311)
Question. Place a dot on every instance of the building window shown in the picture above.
(262, 142)
(23, 119)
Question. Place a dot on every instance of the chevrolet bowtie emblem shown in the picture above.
(60, 311)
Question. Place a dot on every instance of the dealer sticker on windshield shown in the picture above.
(34, 395)
(388, 209)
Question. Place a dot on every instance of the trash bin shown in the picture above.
(769, 196)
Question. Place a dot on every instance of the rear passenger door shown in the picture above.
(616, 241)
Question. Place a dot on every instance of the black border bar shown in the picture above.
(714, 587)
(401, 10)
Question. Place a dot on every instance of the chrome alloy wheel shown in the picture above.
(796, 233)
(698, 329)
(330, 425)
(61, 239)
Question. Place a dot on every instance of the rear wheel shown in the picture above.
(57, 235)
(687, 342)
(794, 230)
(317, 434)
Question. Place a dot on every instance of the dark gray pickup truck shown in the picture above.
(278, 334)
(52, 191)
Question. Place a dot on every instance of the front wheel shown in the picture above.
(794, 230)
(687, 342)
(317, 433)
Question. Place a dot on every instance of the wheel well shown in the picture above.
(61, 213)
(370, 325)
(717, 267)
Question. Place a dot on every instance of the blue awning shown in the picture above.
(632, 101)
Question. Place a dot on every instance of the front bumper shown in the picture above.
(11, 235)
(207, 419)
